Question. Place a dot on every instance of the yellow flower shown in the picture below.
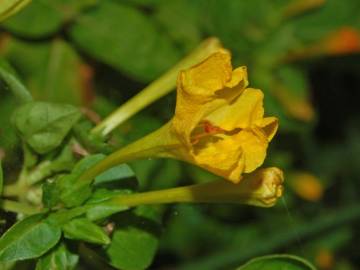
(218, 121)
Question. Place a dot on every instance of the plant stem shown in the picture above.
(17, 207)
(156, 89)
(12, 190)
(261, 188)
(154, 144)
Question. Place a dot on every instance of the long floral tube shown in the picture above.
(156, 89)
(261, 188)
(218, 124)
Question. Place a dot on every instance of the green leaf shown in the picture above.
(73, 192)
(243, 27)
(55, 162)
(58, 259)
(278, 262)
(44, 20)
(46, 16)
(180, 18)
(119, 172)
(29, 238)
(44, 125)
(50, 193)
(10, 7)
(104, 210)
(1, 179)
(107, 34)
(315, 25)
(135, 242)
(9, 77)
(100, 206)
(63, 216)
(52, 70)
(118, 180)
(85, 230)
(91, 142)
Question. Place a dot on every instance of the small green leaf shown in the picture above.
(103, 210)
(45, 20)
(100, 206)
(135, 242)
(29, 238)
(63, 216)
(85, 230)
(73, 192)
(180, 18)
(50, 193)
(107, 34)
(58, 259)
(116, 173)
(277, 262)
(9, 77)
(46, 17)
(10, 7)
(92, 142)
(52, 70)
(44, 125)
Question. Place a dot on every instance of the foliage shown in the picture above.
(66, 64)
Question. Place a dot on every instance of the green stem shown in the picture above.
(156, 89)
(149, 146)
(261, 188)
(17, 207)
(12, 190)
(14, 85)
(43, 170)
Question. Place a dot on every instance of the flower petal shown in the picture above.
(269, 126)
(223, 157)
(204, 88)
(210, 75)
(254, 145)
(245, 111)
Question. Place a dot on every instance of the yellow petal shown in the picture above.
(269, 126)
(246, 110)
(223, 157)
(204, 88)
(254, 145)
(219, 122)
(208, 76)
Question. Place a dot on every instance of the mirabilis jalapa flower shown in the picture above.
(218, 124)
(218, 121)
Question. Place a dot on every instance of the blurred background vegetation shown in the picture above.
(304, 54)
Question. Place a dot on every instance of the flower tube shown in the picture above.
(218, 124)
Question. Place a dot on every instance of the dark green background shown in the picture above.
(98, 54)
